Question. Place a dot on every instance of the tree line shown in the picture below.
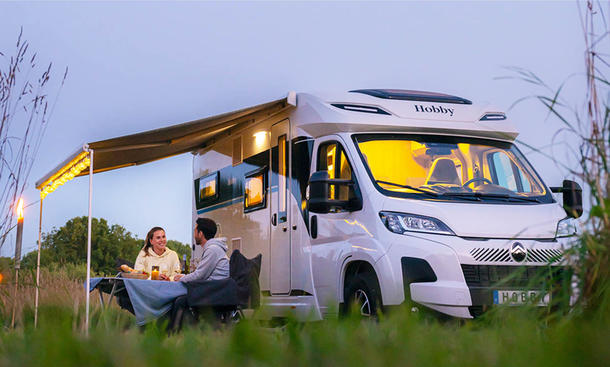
(67, 245)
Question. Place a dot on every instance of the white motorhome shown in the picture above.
(384, 197)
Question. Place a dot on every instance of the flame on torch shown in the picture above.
(20, 209)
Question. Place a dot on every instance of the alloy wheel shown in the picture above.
(364, 303)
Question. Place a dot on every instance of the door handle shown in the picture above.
(274, 219)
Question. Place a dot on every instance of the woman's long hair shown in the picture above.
(149, 237)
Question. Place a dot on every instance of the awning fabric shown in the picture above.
(161, 143)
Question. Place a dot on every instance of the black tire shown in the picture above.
(362, 297)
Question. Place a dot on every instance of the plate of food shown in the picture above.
(129, 272)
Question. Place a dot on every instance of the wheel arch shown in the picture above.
(354, 268)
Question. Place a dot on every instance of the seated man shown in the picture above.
(214, 263)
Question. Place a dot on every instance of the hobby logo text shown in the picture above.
(435, 109)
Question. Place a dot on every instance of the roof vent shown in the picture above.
(495, 116)
(412, 95)
(360, 108)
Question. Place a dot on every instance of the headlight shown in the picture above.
(566, 228)
(402, 222)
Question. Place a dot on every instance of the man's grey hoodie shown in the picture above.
(214, 263)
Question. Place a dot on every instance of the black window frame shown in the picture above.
(353, 190)
(337, 163)
(203, 202)
(257, 172)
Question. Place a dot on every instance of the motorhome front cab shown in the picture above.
(384, 197)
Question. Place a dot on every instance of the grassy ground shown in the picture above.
(508, 337)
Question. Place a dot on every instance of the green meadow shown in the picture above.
(508, 336)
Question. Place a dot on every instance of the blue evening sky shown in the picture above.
(144, 65)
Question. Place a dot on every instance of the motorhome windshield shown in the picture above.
(450, 168)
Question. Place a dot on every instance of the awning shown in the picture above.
(144, 147)
(148, 146)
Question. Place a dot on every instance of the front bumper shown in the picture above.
(482, 280)
(462, 284)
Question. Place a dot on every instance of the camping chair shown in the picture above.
(223, 300)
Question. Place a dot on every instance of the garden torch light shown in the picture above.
(17, 254)
(19, 234)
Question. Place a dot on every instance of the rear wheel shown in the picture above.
(362, 297)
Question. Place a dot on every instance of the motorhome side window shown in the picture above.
(505, 173)
(281, 175)
(206, 189)
(332, 158)
(255, 190)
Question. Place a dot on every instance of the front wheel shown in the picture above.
(362, 297)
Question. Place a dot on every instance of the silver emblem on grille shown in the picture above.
(518, 252)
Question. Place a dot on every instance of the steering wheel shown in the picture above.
(477, 179)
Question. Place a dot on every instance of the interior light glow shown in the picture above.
(259, 138)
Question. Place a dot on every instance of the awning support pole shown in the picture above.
(38, 266)
(89, 241)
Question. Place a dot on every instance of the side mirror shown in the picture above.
(319, 194)
(572, 197)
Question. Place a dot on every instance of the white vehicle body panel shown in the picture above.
(304, 275)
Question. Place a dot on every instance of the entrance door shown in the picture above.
(279, 200)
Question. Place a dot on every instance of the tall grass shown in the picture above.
(508, 336)
(60, 287)
(588, 123)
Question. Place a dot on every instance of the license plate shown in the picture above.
(514, 298)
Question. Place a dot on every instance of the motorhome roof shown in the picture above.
(392, 110)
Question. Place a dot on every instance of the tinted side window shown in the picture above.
(332, 158)
(503, 171)
(206, 190)
(255, 190)
(506, 174)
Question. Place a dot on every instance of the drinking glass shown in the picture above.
(164, 270)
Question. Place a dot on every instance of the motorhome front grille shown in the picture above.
(503, 255)
(509, 276)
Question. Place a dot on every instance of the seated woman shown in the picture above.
(155, 253)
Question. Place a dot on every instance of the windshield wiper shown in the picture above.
(462, 195)
(408, 187)
(491, 196)
(522, 198)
